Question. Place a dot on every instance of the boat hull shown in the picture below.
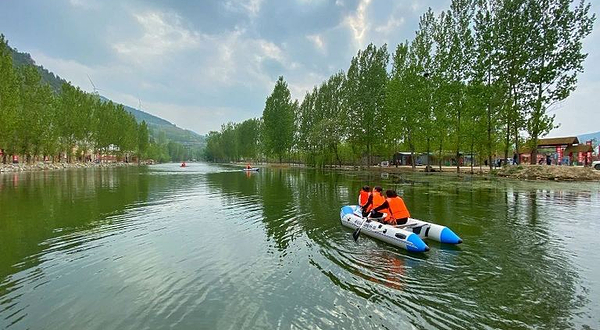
(424, 230)
(350, 217)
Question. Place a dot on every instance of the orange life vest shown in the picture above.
(363, 198)
(397, 209)
(377, 200)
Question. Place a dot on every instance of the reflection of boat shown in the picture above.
(255, 169)
(351, 217)
(399, 235)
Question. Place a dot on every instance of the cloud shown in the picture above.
(317, 40)
(392, 24)
(162, 33)
(358, 24)
(250, 7)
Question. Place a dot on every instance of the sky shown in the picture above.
(200, 64)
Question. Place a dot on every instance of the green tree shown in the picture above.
(278, 121)
(143, 140)
(9, 99)
(557, 30)
(365, 88)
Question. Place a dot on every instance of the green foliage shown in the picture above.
(365, 92)
(278, 121)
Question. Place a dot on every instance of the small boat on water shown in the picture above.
(408, 236)
(255, 169)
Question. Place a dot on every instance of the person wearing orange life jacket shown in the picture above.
(363, 196)
(394, 207)
(375, 200)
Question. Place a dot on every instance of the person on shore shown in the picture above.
(363, 196)
(394, 208)
(376, 198)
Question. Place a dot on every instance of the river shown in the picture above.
(212, 247)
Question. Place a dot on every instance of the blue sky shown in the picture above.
(199, 64)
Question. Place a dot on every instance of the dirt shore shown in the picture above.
(519, 172)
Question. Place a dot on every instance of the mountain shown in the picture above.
(20, 59)
(156, 125)
(171, 131)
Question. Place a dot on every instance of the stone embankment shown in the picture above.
(5, 168)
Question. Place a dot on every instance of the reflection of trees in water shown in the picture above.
(44, 205)
(272, 188)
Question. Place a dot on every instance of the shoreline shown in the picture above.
(41, 166)
(515, 172)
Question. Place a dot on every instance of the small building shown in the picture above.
(558, 151)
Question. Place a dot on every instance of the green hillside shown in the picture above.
(157, 125)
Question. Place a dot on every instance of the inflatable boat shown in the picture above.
(408, 236)
(351, 217)
(255, 169)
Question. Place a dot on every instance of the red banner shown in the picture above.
(559, 151)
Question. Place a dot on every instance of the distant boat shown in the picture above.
(183, 164)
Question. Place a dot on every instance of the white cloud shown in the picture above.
(85, 4)
(251, 7)
(162, 33)
(317, 40)
(358, 23)
(392, 24)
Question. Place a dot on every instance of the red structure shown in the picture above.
(560, 151)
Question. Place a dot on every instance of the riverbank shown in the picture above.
(11, 168)
(518, 172)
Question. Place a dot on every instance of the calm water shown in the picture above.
(210, 247)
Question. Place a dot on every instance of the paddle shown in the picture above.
(356, 233)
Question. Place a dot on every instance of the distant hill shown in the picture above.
(155, 124)
(20, 59)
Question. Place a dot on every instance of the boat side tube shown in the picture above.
(350, 216)
(433, 231)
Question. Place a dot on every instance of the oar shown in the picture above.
(356, 233)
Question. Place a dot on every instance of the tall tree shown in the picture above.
(9, 99)
(557, 30)
(366, 87)
(278, 121)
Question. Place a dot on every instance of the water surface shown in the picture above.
(209, 246)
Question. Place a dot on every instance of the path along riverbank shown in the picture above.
(519, 172)
(42, 166)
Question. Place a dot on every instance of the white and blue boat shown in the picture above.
(408, 236)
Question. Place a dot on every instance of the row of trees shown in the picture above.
(37, 122)
(478, 79)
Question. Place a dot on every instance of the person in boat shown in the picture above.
(363, 196)
(248, 166)
(394, 208)
(375, 200)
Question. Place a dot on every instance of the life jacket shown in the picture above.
(396, 209)
(363, 198)
(378, 199)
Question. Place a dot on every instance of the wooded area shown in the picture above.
(477, 79)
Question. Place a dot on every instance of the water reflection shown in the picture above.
(210, 246)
